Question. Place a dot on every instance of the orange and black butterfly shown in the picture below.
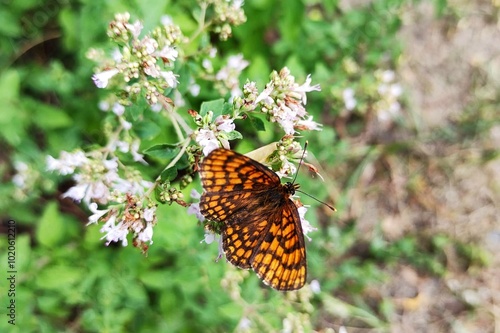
(261, 227)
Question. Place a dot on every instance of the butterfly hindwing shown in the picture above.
(280, 259)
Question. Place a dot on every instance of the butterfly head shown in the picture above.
(290, 188)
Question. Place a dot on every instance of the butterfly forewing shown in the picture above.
(227, 171)
(261, 225)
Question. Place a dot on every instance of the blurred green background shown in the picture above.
(415, 177)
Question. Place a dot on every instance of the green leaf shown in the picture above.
(156, 279)
(138, 108)
(230, 311)
(50, 231)
(257, 123)
(227, 108)
(58, 277)
(233, 135)
(10, 26)
(147, 130)
(69, 21)
(164, 151)
(169, 174)
(46, 116)
(216, 106)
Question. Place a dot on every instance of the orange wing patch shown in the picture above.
(261, 225)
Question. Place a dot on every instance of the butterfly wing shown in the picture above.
(280, 258)
(232, 182)
(228, 171)
(241, 238)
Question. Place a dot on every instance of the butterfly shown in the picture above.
(261, 227)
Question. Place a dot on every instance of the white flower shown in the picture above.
(114, 232)
(150, 44)
(118, 109)
(101, 79)
(207, 64)
(306, 87)
(229, 75)
(224, 123)
(306, 226)
(396, 90)
(77, 192)
(315, 287)
(120, 145)
(195, 194)
(284, 116)
(194, 88)
(244, 325)
(264, 95)
(388, 76)
(57, 165)
(126, 125)
(194, 208)
(103, 105)
(349, 100)
(150, 214)
(237, 4)
(97, 213)
(382, 89)
(237, 62)
(166, 20)
(116, 55)
(98, 191)
(136, 187)
(157, 107)
(135, 28)
(134, 150)
(152, 70)
(22, 175)
(67, 162)
(168, 52)
(212, 52)
(146, 235)
(111, 164)
(308, 124)
(286, 169)
(178, 99)
(207, 140)
(209, 237)
(170, 78)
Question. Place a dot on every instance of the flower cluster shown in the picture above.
(349, 99)
(133, 218)
(282, 100)
(24, 180)
(389, 91)
(227, 13)
(139, 59)
(96, 177)
(213, 133)
(97, 180)
(227, 78)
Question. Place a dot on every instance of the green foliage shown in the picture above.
(68, 280)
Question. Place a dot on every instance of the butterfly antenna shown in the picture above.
(300, 162)
(321, 202)
(310, 196)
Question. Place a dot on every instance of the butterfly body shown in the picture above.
(261, 226)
